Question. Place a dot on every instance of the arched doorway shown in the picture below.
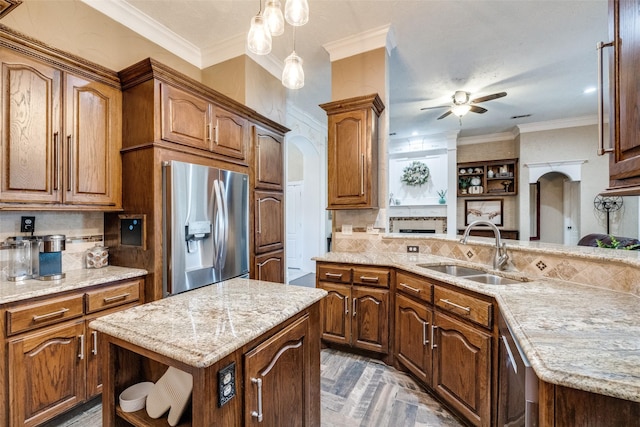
(555, 209)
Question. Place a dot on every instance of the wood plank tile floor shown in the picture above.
(356, 391)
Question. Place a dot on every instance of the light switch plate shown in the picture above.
(226, 384)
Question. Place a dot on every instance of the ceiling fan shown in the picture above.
(462, 103)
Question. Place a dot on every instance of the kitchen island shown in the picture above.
(265, 334)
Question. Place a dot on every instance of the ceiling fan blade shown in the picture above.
(433, 108)
(444, 115)
(489, 97)
(476, 109)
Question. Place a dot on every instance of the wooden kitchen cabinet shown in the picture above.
(624, 121)
(412, 345)
(281, 359)
(52, 352)
(354, 314)
(270, 266)
(268, 159)
(462, 368)
(269, 221)
(48, 163)
(353, 152)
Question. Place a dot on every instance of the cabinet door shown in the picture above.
(335, 313)
(413, 346)
(370, 319)
(270, 267)
(350, 160)
(268, 221)
(185, 118)
(47, 373)
(31, 124)
(94, 370)
(277, 379)
(231, 134)
(624, 166)
(268, 159)
(92, 143)
(462, 368)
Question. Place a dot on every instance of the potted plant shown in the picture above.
(441, 194)
(463, 183)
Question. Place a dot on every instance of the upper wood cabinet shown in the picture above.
(52, 164)
(353, 152)
(624, 119)
(268, 159)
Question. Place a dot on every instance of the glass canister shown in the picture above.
(19, 260)
(97, 256)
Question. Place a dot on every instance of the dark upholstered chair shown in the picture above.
(591, 240)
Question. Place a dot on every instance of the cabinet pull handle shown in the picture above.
(510, 354)
(48, 316)
(453, 304)
(108, 300)
(81, 353)
(215, 132)
(69, 159)
(208, 131)
(94, 350)
(404, 285)
(425, 340)
(56, 155)
(601, 149)
(258, 161)
(259, 231)
(346, 306)
(353, 307)
(369, 279)
(362, 175)
(333, 275)
(258, 414)
(433, 337)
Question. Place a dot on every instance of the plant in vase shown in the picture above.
(441, 194)
(463, 183)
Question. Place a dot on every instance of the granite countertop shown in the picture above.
(74, 279)
(202, 326)
(574, 335)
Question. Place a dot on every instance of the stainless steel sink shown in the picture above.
(453, 270)
(491, 279)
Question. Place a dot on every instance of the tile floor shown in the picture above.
(356, 391)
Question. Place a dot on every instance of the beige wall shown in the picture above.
(70, 25)
(228, 78)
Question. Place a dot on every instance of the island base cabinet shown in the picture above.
(413, 326)
(276, 393)
(462, 368)
(47, 373)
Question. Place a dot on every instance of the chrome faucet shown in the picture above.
(501, 257)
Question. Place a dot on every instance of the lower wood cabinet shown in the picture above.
(413, 337)
(282, 359)
(462, 368)
(270, 267)
(53, 360)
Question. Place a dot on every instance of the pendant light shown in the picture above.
(293, 74)
(296, 12)
(274, 18)
(259, 37)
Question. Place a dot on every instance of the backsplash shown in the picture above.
(82, 230)
(603, 268)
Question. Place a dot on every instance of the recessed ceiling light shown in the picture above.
(414, 133)
(590, 89)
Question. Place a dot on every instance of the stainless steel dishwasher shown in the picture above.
(517, 383)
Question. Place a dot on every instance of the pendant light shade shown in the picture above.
(296, 12)
(259, 38)
(273, 16)
(293, 74)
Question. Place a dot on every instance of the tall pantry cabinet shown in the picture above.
(169, 116)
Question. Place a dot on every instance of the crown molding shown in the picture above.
(492, 137)
(353, 45)
(132, 18)
(558, 124)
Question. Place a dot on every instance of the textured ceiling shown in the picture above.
(542, 53)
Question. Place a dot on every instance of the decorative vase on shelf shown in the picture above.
(442, 200)
(441, 194)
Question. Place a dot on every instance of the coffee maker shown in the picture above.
(50, 257)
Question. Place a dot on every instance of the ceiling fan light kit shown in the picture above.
(271, 23)
(462, 104)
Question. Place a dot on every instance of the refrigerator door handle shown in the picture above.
(225, 226)
(219, 225)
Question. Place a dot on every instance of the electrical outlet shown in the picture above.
(28, 224)
(226, 384)
(413, 249)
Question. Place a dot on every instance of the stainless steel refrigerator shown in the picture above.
(206, 226)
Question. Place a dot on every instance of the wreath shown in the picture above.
(417, 173)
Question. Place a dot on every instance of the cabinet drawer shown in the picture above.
(112, 296)
(331, 273)
(371, 277)
(415, 286)
(466, 306)
(32, 316)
